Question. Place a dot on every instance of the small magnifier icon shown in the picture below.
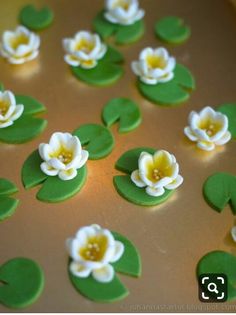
(212, 287)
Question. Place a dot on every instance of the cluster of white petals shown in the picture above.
(9, 110)
(92, 250)
(124, 12)
(208, 129)
(154, 66)
(62, 156)
(20, 45)
(157, 172)
(84, 50)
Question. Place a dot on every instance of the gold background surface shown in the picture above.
(171, 237)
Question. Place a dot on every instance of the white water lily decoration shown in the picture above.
(20, 45)
(62, 156)
(9, 110)
(208, 128)
(84, 50)
(154, 66)
(157, 172)
(92, 250)
(124, 12)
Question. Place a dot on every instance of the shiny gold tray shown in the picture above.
(171, 237)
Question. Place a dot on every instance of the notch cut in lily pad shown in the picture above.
(170, 93)
(229, 110)
(123, 34)
(172, 29)
(53, 189)
(129, 264)
(22, 282)
(97, 139)
(8, 204)
(219, 190)
(127, 163)
(27, 126)
(107, 71)
(222, 263)
(124, 111)
(35, 19)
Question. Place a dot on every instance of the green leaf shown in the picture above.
(22, 282)
(123, 110)
(31, 173)
(55, 190)
(23, 129)
(7, 207)
(222, 263)
(97, 139)
(1, 87)
(130, 261)
(172, 30)
(31, 105)
(124, 34)
(128, 190)
(230, 111)
(106, 72)
(36, 19)
(128, 162)
(99, 292)
(220, 189)
(7, 187)
(170, 93)
(128, 34)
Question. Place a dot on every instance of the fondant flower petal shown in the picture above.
(67, 174)
(207, 146)
(175, 183)
(57, 164)
(45, 151)
(79, 270)
(136, 179)
(224, 139)
(72, 60)
(18, 112)
(47, 169)
(155, 192)
(119, 249)
(233, 233)
(6, 124)
(104, 274)
(88, 64)
(189, 133)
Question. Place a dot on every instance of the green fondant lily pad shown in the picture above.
(26, 127)
(124, 34)
(53, 189)
(172, 30)
(127, 163)
(220, 189)
(97, 139)
(22, 282)
(170, 93)
(107, 71)
(1, 87)
(230, 111)
(123, 110)
(129, 264)
(222, 263)
(36, 19)
(8, 205)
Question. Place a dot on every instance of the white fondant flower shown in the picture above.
(124, 12)
(84, 50)
(154, 66)
(92, 250)
(62, 156)
(9, 111)
(233, 233)
(20, 45)
(208, 128)
(157, 172)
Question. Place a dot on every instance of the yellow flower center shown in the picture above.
(157, 174)
(210, 126)
(95, 248)
(121, 3)
(155, 62)
(4, 106)
(63, 154)
(84, 45)
(18, 40)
